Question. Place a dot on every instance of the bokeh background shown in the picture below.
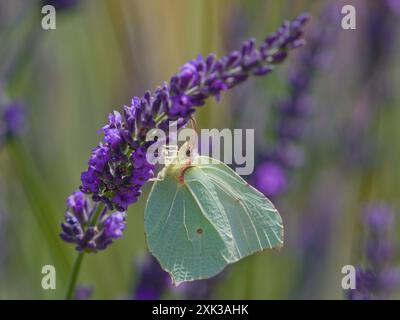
(345, 144)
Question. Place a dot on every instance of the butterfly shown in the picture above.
(201, 216)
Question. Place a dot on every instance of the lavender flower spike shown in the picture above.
(78, 228)
(272, 176)
(380, 279)
(118, 167)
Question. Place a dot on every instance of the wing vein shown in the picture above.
(245, 208)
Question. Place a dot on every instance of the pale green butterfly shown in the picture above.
(201, 216)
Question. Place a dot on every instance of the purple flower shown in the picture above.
(380, 37)
(365, 283)
(292, 112)
(380, 279)
(270, 178)
(113, 137)
(99, 157)
(372, 285)
(123, 198)
(13, 119)
(111, 228)
(114, 225)
(379, 219)
(90, 233)
(90, 181)
(152, 281)
(78, 203)
(83, 292)
(118, 167)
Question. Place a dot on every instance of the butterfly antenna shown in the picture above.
(193, 123)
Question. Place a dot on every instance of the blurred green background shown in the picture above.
(102, 53)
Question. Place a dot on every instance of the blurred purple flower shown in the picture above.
(379, 39)
(272, 175)
(365, 281)
(380, 279)
(375, 285)
(83, 292)
(13, 119)
(380, 24)
(270, 179)
(379, 220)
(152, 280)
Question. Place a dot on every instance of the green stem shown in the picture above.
(40, 200)
(160, 117)
(78, 262)
(74, 276)
(96, 214)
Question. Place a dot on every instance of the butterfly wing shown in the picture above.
(187, 245)
(255, 223)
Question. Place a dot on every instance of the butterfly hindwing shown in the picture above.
(187, 245)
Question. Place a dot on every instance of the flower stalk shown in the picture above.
(74, 276)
